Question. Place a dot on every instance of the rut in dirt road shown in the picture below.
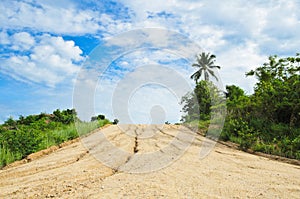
(136, 144)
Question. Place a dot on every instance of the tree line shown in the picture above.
(266, 121)
(26, 135)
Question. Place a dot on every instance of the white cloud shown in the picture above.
(131, 74)
(238, 60)
(241, 34)
(111, 26)
(131, 98)
(4, 38)
(283, 19)
(46, 18)
(236, 18)
(22, 41)
(65, 49)
(142, 104)
(50, 60)
(58, 18)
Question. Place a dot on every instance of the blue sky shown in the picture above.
(44, 44)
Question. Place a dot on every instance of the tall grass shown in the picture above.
(84, 128)
(51, 138)
(6, 156)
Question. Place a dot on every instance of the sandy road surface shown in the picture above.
(74, 172)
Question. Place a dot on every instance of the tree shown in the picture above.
(237, 100)
(205, 65)
(94, 118)
(277, 93)
(10, 122)
(197, 105)
(101, 117)
(116, 121)
(267, 120)
(98, 117)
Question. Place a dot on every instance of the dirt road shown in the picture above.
(76, 172)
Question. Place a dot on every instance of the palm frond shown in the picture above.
(214, 66)
(196, 65)
(211, 72)
(211, 58)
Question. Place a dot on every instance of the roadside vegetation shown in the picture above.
(26, 135)
(267, 121)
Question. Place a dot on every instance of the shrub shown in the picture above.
(36, 132)
(116, 121)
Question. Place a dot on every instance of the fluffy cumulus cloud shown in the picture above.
(67, 17)
(43, 17)
(22, 41)
(33, 48)
(232, 21)
(217, 27)
(44, 59)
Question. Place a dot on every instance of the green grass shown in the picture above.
(51, 138)
(246, 138)
(84, 128)
(6, 156)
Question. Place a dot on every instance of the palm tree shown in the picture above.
(205, 64)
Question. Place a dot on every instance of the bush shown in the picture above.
(36, 132)
(104, 122)
(239, 131)
(7, 157)
(203, 124)
(100, 117)
(116, 121)
(23, 141)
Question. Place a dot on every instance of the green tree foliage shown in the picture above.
(98, 117)
(94, 118)
(10, 122)
(202, 105)
(116, 121)
(65, 116)
(101, 117)
(278, 91)
(19, 138)
(237, 101)
(269, 119)
(197, 105)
